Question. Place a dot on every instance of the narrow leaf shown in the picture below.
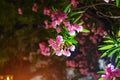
(75, 13)
(67, 8)
(112, 52)
(85, 30)
(108, 41)
(106, 47)
(105, 53)
(77, 19)
(101, 72)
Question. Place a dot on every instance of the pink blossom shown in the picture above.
(62, 17)
(58, 30)
(54, 24)
(74, 3)
(72, 48)
(46, 24)
(111, 72)
(20, 12)
(78, 28)
(59, 39)
(44, 49)
(35, 7)
(55, 47)
(71, 27)
(66, 53)
(54, 15)
(72, 32)
(59, 16)
(67, 23)
(51, 41)
(59, 52)
(47, 11)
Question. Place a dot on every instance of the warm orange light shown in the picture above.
(6, 77)
(9, 77)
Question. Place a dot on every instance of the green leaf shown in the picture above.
(73, 41)
(105, 53)
(77, 19)
(106, 47)
(101, 78)
(119, 33)
(117, 3)
(75, 13)
(108, 41)
(101, 72)
(112, 52)
(85, 30)
(67, 8)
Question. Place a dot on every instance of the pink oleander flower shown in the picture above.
(35, 7)
(74, 3)
(111, 72)
(72, 32)
(59, 16)
(67, 23)
(51, 41)
(47, 11)
(46, 24)
(58, 30)
(20, 12)
(59, 52)
(59, 39)
(66, 53)
(54, 24)
(72, 47)
(44, 49)
(78, 28)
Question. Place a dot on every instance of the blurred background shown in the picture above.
(22, 28)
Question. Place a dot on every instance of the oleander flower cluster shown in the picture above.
(64, 43)
(111, 72)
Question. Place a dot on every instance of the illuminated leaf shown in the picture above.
(85, 30)
(106, 47)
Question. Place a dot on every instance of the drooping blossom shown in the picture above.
(72, 32)
(72, 47)
(44, 49)
(20, 12)
(66, 53)
(59, 52)
(111, 72)
(35, 7)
